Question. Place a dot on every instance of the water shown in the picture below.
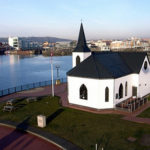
(18, 70)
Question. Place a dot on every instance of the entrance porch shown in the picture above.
(132, 104)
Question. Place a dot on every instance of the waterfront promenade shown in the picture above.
(60, 90)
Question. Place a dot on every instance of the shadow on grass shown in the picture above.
(23, 126)
(20, 103)
(16, 134)
(41, 97)
(20, 100)
(54, 115)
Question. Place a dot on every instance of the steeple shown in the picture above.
(81, 45)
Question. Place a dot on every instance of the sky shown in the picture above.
(102, 19)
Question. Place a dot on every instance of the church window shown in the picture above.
(145, 65)
(126, 89)
(106, 94)
(77, 60)
(120, 91)
(83, 92)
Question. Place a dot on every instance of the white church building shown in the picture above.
(101, 80)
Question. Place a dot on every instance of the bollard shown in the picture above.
(95, 146)
(41, 120)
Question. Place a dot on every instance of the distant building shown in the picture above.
(29, 45)
(98, 45)
(62, 44)
(117, 45)
(103, 45)
(46, 45)
(23, 44)
(14, 42)
(130, 43)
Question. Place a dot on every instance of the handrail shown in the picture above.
(29, 86)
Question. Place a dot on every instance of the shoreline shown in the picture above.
(32, 52)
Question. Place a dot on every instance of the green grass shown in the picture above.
(81, 128)
(145, 114)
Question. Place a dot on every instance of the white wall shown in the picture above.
(96, 92)
(132, 80)
(144, 79)
(12, 41)
(82, 56)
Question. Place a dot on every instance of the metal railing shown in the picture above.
(131, 105)
(29, 86)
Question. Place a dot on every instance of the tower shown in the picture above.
(81, 52)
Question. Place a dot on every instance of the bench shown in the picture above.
(11, 102)
(8, 108)
(31, 99)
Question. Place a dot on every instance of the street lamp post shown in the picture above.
(57, 68)
(52, 74)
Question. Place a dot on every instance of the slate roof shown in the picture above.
(102, 65)
(81, 45)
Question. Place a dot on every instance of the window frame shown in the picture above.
(83, 92)
(106, 94)
(78, 60)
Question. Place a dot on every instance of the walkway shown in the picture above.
(133, 116)
(11, 139)
(17, 134)
(60, 90)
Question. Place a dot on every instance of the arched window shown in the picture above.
(83, 92)
(126, 89)
(106, 94)
(145, 65)
(120, 91)
(77, 60)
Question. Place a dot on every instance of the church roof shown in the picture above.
(102, 65)
(81, 45)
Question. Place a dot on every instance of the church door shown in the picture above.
(134, 91)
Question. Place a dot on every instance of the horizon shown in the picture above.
(61, 19)
(114, 39)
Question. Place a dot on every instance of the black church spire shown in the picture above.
(81, 45)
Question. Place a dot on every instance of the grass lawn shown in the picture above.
(145, 114)
(81, 128)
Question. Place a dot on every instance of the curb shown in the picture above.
(49, 137)
(35, 134)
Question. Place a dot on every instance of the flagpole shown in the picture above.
(52, 74)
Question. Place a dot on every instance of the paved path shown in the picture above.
(42, 91)
(11, 139)
(133, 116)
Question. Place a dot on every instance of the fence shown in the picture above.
(131, 105)
(28, 86)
